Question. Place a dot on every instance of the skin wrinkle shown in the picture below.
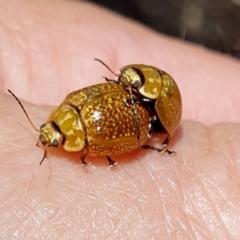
(121, 177)
(169, 224)
(232, 158)
(19, 224)
(155, 218)
(155, 187)
(117, 223)
(196, 234)
(89, 182)
(220, 150)
(140, 223)
(159, 198)
(234, 211)
(74, 187)
(108, 236)
(124, 222)
(136, 205)
(60, 191)
(185, 215)
(202, 220)
(225, 207)
(232, 166)
(197, 231)
(192, 217)
(30, 185)
(137, 225)
(179, 200)
(164, 210)
(217, 215)
(128, 172)
(203, 186)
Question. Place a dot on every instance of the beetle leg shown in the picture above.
(161, 150)
(131, 101)
(137, 100)
(83, 156)
(135, 114)
(165, 144)
(144, 100)
(149, 130)
(111, 162)
(110, 80)
(150, 127)
(38, 144)
(128, 102)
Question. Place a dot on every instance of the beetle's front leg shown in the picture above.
(110, 80)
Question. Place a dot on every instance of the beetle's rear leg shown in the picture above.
(111, 162)
(161, 150)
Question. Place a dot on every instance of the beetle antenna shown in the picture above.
(104, 64)
(37, 130)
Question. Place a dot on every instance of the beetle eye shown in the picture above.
(43, 125)
(136, 84)
(55, 143)
(42, 139)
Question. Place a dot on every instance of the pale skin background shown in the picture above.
(47, 51)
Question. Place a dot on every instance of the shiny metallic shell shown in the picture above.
(99, 115)
(160, 87)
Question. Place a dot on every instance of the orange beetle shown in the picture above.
(96, 121)
(152, 85)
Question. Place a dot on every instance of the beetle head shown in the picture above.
(130, 77)
(50, 134)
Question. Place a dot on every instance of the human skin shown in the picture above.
(47, 51)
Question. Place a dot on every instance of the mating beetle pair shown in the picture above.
(115, 117)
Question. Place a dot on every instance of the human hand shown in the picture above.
(47, 51)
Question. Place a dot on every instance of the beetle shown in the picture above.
(96, 121)
(158, 89)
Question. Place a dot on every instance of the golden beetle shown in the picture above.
(97, 121)
(155, 86)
